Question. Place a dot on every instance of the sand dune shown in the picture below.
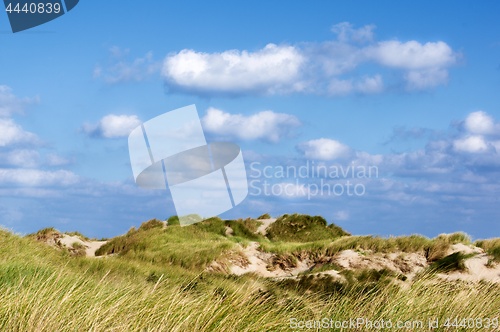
(402, 263)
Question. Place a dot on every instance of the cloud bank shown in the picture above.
(266, 125)
(112, 126)
(329, 68)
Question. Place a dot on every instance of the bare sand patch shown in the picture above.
(262, 229)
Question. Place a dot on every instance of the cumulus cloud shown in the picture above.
(36, 178)
(53, 159)
(273, 69)
(346, 32)
(367, 85)
(373, 84)
(427, 78)
(479, 134)
(327, 68)
(22, 158)
(112, 126)
(480, 123)
(265, 125)
(10, 103)
(471, 144)
(456, 173)
(413, 55)
(446, 154)
(324, 149)
(12, 133)
(120, 69)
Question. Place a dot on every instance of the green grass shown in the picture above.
(264, 216)
(303, 228)
(450, 263)
(492, 247)
(173, 245)
(156, 281)
(434, 249)
(80, 235)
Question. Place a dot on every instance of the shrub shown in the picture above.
(45, 234)
(153, 223)
(212, 225)
(265, 216)
(173, 220)
(244, 228)
(302, 228)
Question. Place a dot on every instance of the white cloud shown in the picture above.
(266, 125)
(325, 68)
(426, 64)
(373, 84)
(324, 149)
(289, 190)
(341, 215)
(113, 126)
(10, 104)
(122, 70)
(479, 134)
(479, 123)
(36, 178)
(496, 145)
(413, 55)
(340, 87)
(53, 159)
(471, 144)
(273, 69)
(346, 32)
(426, 78)
(23, 158)
(12, 133)
(368, 85)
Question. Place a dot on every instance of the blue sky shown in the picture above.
(409, 88)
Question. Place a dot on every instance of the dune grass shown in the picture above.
(156, 280)
(492, 247)
(303, 228)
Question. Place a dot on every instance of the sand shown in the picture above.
(90, 246)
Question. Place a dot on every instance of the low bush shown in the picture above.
(302, 228)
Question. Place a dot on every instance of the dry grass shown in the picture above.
(157, 283)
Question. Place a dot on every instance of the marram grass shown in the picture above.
(161, 285)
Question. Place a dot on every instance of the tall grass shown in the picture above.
(157, 281)
(303, 228)
(65, 301)
(492, 247)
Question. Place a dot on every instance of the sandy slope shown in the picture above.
(90, 246)
(407, 264)
(265, 224)
(261, 262)
(477, 266)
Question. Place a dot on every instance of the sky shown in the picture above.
(383, 117)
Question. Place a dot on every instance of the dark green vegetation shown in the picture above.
(452, 262)
(303, 228)
(160, 277)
